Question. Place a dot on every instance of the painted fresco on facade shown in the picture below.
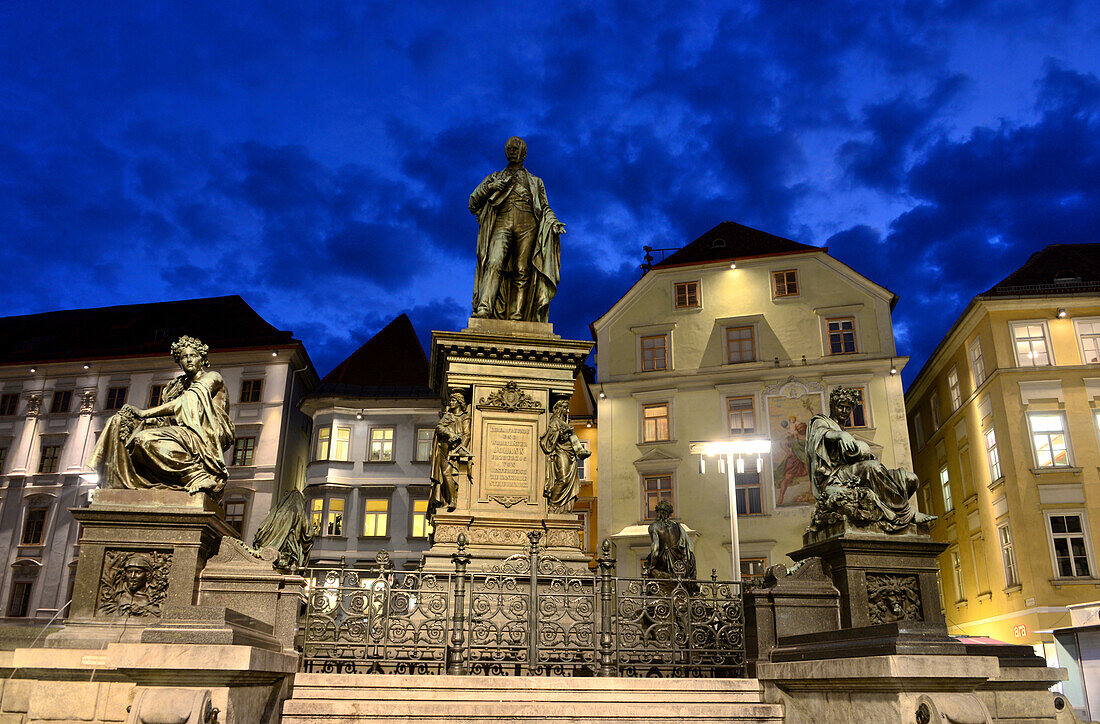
(788, 414)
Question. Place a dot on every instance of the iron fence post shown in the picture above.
(533, 601)
(608, 665)
(456, 652)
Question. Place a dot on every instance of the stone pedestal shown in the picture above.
(789, 603)
(167, 534)
(511, 373)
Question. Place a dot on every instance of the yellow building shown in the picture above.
(700, 350)
(1004, 426)
(582, 413)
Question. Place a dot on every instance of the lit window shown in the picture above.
(655, 423)
(1071, 559)
(994, 456)
(748, 490)
(1048, 438)
(243, 448)
(785, 283)
(753, 568)
(375, 517)
(742, 416)
(956, 568)
(334, 524)
(381, 444)
(655, 353)
(34, 527)
(858, 416)
(251, 389)
(424, 437)
(317, 514)
(953, 388)
(116, 398)
(945, 486)
(687, 295)
(977, 362)
(421, 527)
(342, 445)
(51, 456)
(234, 515)
(1088, 331)
(61, 401)
(1030, 344)
(323, 435)
(934, 403)
(582, 463)
(8, 403)
(156, 395)
(655, 488)
(740, 345)
(1008, 556)
(842, 335)
(19, 603)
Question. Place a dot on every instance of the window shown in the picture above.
(62, 400)
(977, 362)
(934, 403)
(918, 429)
(748, 492)
(51, 456)
(424, 437)
(251, 390)
(1008, 556)
(655, 353)
(333, 523)
(842, 335)
(243, 447)
(858, 416)
(742, 416)
(953, 388)
(753, 568)
(945, 486)
(1088, 331)
(234, 515)
(342, 445)
(381, 444)
(956, 568)
(156, 395)
(3, 458)
(582, 463)
(8, 403)
(376, 513)
(655, 488)
(34, 527)
(655, 423)
(1048, 439)
(994, 456)
(1067, 536)
(116, 398)
(687, 295)
(740, 345)
(20, 601)
(316, 514)
(323, 435)
(421, 527)
(785, 283)
(1031, 344)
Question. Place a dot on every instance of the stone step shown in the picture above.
(570, 684)
(297, 711)
(533, 695)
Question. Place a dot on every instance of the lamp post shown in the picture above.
(730, 453)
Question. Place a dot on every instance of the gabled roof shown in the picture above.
(730, 240)
(133, 330)
(1057, 269)
(390, 364)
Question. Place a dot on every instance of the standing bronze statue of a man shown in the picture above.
(518, 243)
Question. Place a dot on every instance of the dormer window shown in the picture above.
(718, 243)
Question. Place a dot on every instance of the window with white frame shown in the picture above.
(934, 403)
(582, 463)
(1049, 440)
(953, 388)
(841, 333)
(654, 352)
(752, 569)
(1088, 335)
(858, 417)
(956, 569)
(324, 435)
(1008, 556)
(424, 436)
(977, 362)
(341, 446)
(741, 415)
(655, 427)
(687, 295)
(740, 345)
(381, 445)
(655, 488)
(992, 454)
(945, 488)
(918, 428)
(1069, 545)
(376, 514)
(1030, 344)
(421, 526)
(327, 516)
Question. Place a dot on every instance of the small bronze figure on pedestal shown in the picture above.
(450, 447)
(671, 553)
(563, 453)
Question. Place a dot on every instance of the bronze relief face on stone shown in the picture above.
(893, 598)
(133, 584)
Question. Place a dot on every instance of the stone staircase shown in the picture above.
(401, 699)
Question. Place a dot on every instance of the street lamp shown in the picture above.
(731, 460)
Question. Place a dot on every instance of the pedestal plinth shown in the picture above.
(510, 373)
(141, 551)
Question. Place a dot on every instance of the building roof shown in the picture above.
(390, 364)
(730, 240)
(1056, 269)
(134, 330)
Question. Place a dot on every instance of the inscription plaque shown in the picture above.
(508, 456)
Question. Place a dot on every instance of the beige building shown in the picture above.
(1004, 419)
(740, 334)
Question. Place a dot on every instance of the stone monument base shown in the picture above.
(492, 539)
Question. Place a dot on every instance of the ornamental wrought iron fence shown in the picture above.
(529, 614)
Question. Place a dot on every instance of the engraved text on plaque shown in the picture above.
(508, 456)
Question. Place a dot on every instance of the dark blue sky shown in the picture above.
(316, 158)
